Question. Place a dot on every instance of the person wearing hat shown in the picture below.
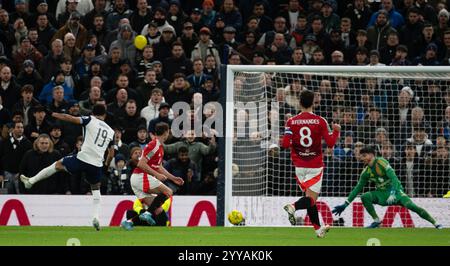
(176, 16)
(164, 110)
(374, 58)
(228, 15)
(163, 49)
(208, 12)
(82, 6)
(74, 26)
(430, 57)
(58, 140)
(196, 19)
(377, 34)
(46, 95)
(25, 51)
(400, 57)
(141, 138)
(228, 44)
(125, 41)
(130, 121)
(20, 12)
(205, 46)
(189, 38)
(64, 16)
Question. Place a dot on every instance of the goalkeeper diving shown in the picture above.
(389, 190)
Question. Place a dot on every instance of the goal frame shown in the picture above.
(225, 182)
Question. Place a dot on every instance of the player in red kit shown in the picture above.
(303, 134)
(148, 176)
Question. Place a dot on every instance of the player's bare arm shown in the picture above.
(67, 118)
(110, 156)
(177, 180)
(142, 164)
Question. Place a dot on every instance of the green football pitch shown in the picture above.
(219, 236)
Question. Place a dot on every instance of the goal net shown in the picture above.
(403, 111)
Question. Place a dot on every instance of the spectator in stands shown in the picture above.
(387, 52)
(412, 30)
(26, 103)
(82, 6)
(9, 89)
(337, 58)
(444, 125)
(400, 115)
(58, 80)
(119, 12)
(112, 66)
(131, 121)
(361, 57)
(50, 63)
(145, 63)
(228, 15)
(164, 109)
(359, 13)
(74, 26)
(72, 131)
(41, 9)
(12, 150)
(293, 94)
(367, 130)
(38, 44)
(58, 104)
(70, 51)
(279, 26)
(209, 91)
(378, 33)
(331, 20)
(430, 58)
(118, 179)
(400, 57)
(182, 166)
(396, 20)
(119, 146)
(140, 17)
(419, 139)
(151, 111)
(117, 107)
(26, 51)
(122, 82)
(58, 141)
(163, 49)
(125, 41)
(411, 172)
(86, 105)
(135, 154)
(442, 26)
(45, 30)
(279, 50)
(176, 16)
(349, 120)
(189, 38)
(177, 63)
(42, 155)
(208, 13)
(8, 38)
(374, 58)
(98, 11)
(205, 47)
(151, 82)
(99, 30)
(421, 44)
(142, 137)
(179, 90)
(439, 169)
(427, 11)
(196, 149)
(300, 30)
(198, 78)
(38, 125)
(388, 152)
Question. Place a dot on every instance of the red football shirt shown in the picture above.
(154, 152)
(303, 134)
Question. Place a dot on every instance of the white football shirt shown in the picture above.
(98, 136)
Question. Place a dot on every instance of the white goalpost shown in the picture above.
(403, 111)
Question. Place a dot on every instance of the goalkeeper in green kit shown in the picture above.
(388, 191)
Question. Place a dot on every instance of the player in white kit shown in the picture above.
(98, 137)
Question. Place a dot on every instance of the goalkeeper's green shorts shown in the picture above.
(380, 196)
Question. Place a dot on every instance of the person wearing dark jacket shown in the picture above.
(185, 168)
(38, 125)
(12, 150)
(29, 75)
(36, 159)
(9, 89)
(179, 90)
(131, 122)
(26, 103)
(50, 63)
(177, 63)
(164, 109)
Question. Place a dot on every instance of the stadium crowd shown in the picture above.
(67, 55)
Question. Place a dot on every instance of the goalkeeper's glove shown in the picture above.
(340, 208)
(392, 198)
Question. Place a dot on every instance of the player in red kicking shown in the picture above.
(303, 134)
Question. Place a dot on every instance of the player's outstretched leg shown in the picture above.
(43, 174)
(407, 202)
(302, 203)
(367, 200)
